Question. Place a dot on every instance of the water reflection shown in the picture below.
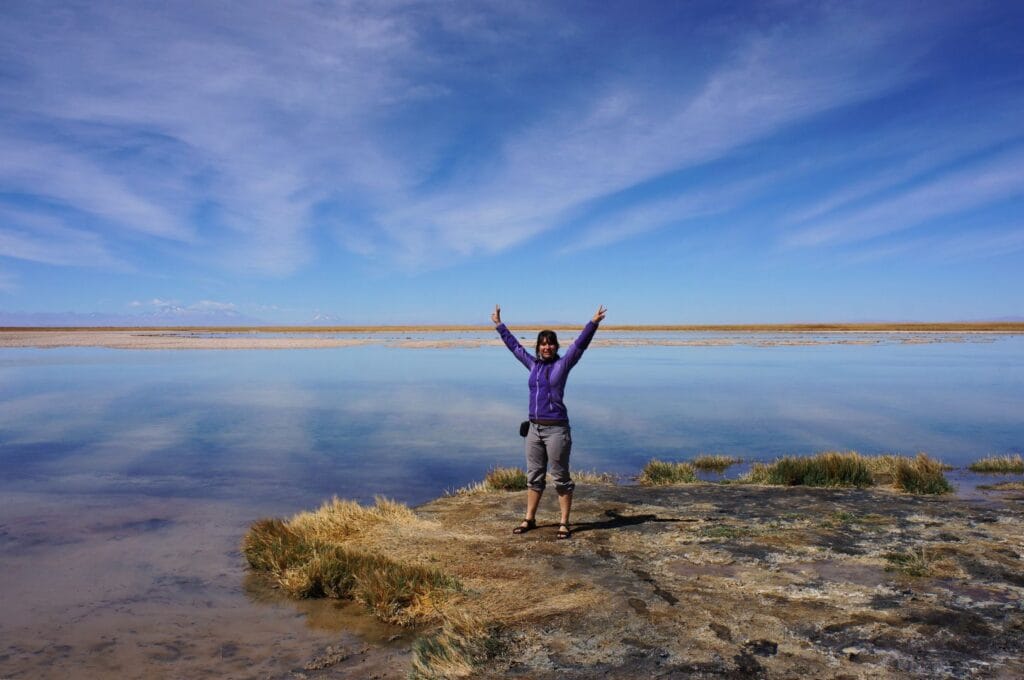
(299, 425)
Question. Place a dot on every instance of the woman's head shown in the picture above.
(547, 345)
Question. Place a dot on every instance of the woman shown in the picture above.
(549, 437)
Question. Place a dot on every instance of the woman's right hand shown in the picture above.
(496, 315)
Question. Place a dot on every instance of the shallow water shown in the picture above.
(128, 477)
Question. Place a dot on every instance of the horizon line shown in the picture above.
(975, 326)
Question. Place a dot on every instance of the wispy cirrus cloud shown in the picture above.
(977, 244)
(39, 237)
(252, 139)
(950, 194)
(146, 117)
(626, 133)
(653, 214)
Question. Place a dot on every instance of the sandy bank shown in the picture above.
(472, 337)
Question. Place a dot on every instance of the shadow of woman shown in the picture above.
(617, 520)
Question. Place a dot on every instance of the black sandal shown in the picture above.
(527, 525)
(563, 532)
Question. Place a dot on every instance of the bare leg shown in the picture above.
(532, 501)
(565, 505)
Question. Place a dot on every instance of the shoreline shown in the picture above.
(284, 337)
(926, 326)
(660, 581)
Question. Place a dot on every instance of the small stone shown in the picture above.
(720, 631)
(762, 647)
(852, 652)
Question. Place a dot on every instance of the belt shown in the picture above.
(543, 421)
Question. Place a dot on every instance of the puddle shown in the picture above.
(979, 594)
(856, 573)
(331, 616)
(688, 569)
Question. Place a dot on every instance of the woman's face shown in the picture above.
(547, 349)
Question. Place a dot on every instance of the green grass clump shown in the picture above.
(715, 463)
(910, 563)
(824, 469)
(922, 475)
(658, 472)
(838, 519)
(1007, 463)
(506, 479)
(301, 556)
(725, 531)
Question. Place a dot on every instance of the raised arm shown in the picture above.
(510, 340)
(582, 341)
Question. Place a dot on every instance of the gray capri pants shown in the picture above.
(546, 443)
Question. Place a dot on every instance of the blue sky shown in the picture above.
(409, 162)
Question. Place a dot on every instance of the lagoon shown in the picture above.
(122, 470)
(293, 426)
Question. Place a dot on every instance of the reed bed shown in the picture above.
(1005, 464)
(830, 468)
(658, 473)
(919, 475)
(922, 475)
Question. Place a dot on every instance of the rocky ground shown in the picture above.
(710, 581)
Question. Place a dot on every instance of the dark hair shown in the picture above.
(550, 337)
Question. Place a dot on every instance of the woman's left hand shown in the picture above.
(599, 315)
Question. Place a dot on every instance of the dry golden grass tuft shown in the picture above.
(505, 479)
(830, 468)
(311, 555)
(407, 569)
(1006, 464)
(714, 462)
(1003, 486)
(455, 650)
(659, 472)
(338, 518)
(592, 477)
(922, 475)
(496, 479)
(919, 475)
(514, 479)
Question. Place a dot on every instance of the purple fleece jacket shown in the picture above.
(547, 378)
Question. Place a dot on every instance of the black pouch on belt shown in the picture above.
(524, 427)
